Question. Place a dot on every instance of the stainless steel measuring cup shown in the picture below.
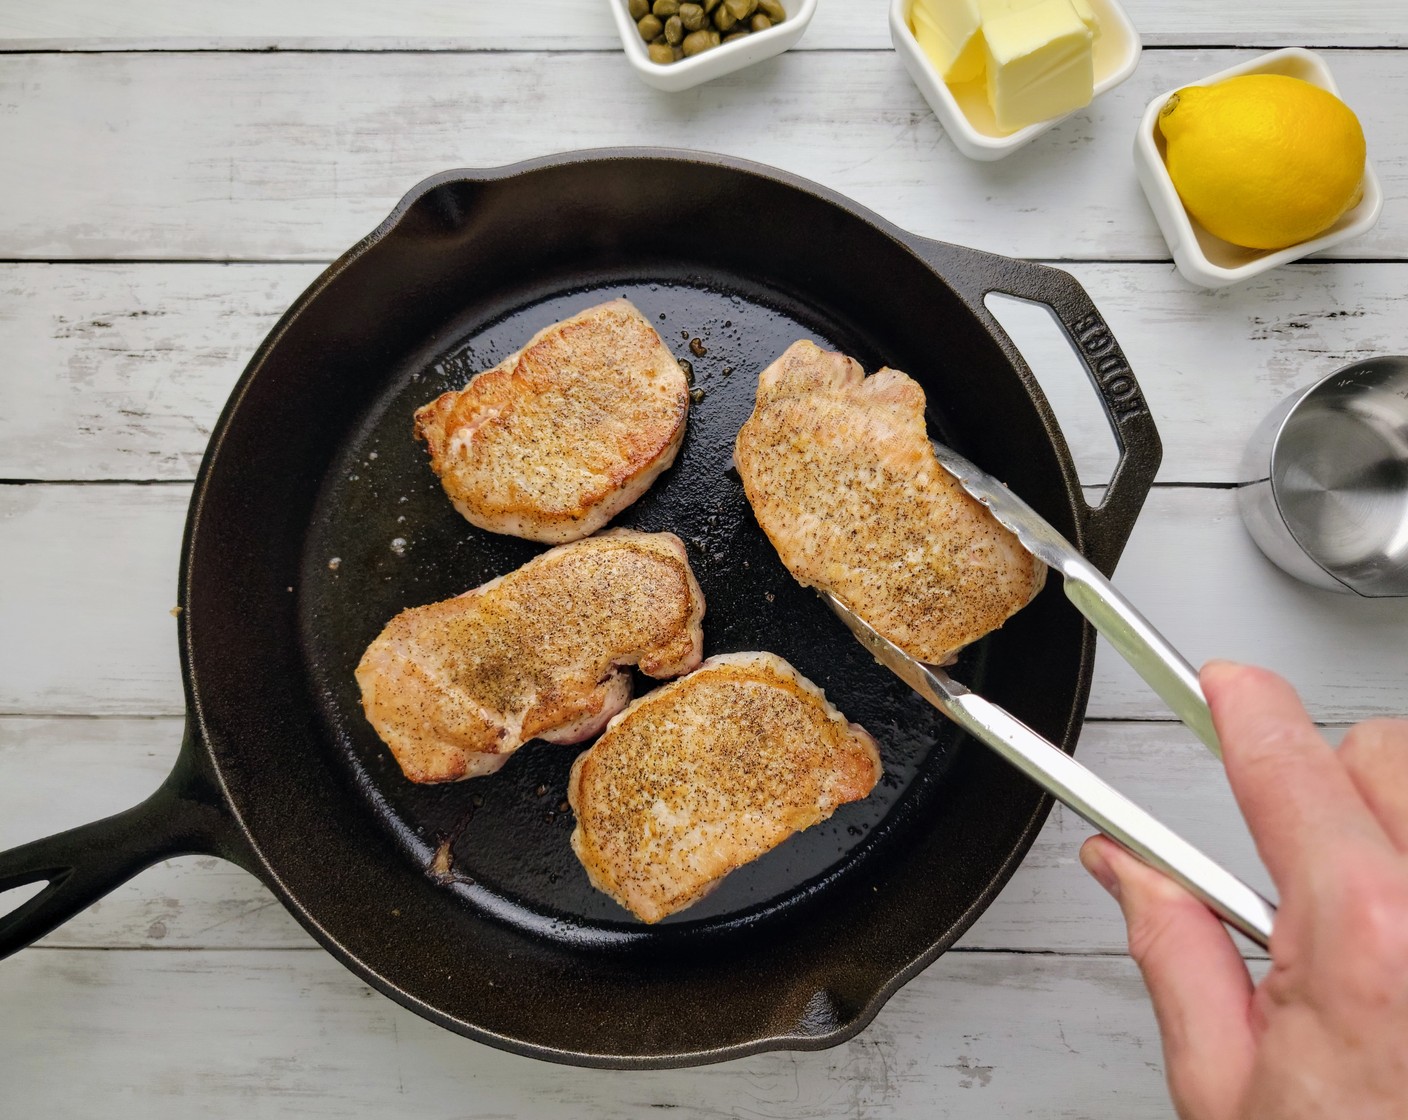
(1328, 496)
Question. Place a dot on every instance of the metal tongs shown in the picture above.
(1149, 654)
(1058, 773)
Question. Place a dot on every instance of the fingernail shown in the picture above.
(1220, 665)
(1093, 860)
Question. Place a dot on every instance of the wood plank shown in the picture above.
(165, 1036)
(104, 559)
(58, 773)
(1197, 575)
(87, 585)
(572, 25)
(1211, 364)
(246, 156)
(117, 372)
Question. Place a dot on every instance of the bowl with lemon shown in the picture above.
(1255, 166)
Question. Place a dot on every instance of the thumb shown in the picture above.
(1197, 981)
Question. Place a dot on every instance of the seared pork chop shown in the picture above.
(556, 440)
(842, 478)
(454, 688)
(697, 778)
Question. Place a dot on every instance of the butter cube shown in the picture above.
(991, 9)
(948, 32)
(1040, 63)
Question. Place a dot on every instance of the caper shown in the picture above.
(675, 29)
(698, 41)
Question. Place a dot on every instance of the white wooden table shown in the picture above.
(172, 175)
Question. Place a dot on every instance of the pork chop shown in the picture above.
(557, 439)
(841, 476)
(454, 688)
(709, 772)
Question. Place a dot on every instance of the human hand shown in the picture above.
(1324, 1036)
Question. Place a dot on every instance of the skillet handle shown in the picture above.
(184, 816)
(973, 274)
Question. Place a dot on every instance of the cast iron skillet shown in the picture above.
(315, 518)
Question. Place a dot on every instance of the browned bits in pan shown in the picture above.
(673, 29)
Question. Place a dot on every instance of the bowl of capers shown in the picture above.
(675, 44)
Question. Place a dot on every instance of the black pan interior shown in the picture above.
(317, 518)
(384, 537)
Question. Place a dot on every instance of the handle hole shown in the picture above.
(1038, 334)
(15, 897)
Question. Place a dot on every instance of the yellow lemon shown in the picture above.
(1263, 160)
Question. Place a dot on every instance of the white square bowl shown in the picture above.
(723, 59)
(963, 109)
(1207, 260)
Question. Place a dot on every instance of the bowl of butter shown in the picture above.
(999, 73)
